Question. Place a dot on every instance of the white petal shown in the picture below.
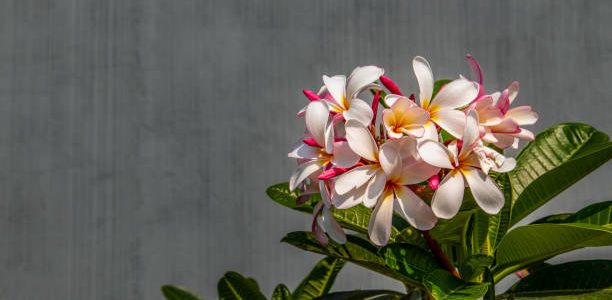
(375, 188)
(508, 165)
(416, 171)
(379, 228)
(455, 94)
(336, 86)
(303, 171)
(361, 141)
(361, 78)
(360, 111)
(413, 209)
(525, 134)
(390, 99)
(485, 191)
(453, 121)
(329, 138)
(425, 78)
(344, 157)
(431, 133)
(353, 179)
(447, 199)
(390, 159)
(317, 115)
(471, 133)
(435, 154)
(350, 199)
(305, 152)
(522, 115)
(329, 224)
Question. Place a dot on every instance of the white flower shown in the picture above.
(465, 165)
(322, 150)
(383, 182)
(442, 108)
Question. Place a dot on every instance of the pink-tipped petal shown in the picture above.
(317, 115)
(311, 142)
(331, 173)
(475, 66)
(513, 90)
(522, 115)
(390, 85)
(336, 86)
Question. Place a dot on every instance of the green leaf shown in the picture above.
(558, 157)
(474, 266)
(356, 218)
(320, 279)
(588, 279)
(451, 231)
(558, 218)
(233, 286)
(499, 224)
(172, 292)
(365, 294)
(438, 85)
(530, 244)
(422, 266)
(598, 213)
(443, 285)
(281, 292)
(356, 250)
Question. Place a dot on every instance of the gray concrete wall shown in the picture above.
(137, 137)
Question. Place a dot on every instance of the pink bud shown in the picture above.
(434, 182)
(331, 173)
(375, 107)
(311, 142)
(312, 96)
(390, 85)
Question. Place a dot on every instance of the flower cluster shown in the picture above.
(456, 134)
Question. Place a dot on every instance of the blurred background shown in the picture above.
(137, 137)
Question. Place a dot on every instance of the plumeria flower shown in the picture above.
(404, 117)
(319, 150)
(341, 94)
(464, 162)
(382, 183)
(442, 108)
(509, 130)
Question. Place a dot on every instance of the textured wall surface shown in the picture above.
(137, 137)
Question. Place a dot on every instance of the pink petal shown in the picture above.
(522, 115)
(312, 96)
(390, 85)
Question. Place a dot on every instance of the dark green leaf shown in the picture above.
(281, 292)
(356, 250)
(499, 224)
(320, 279)
(598, 213)
(557, 158)
(530, 244)
(172, 292)
(422, 266)
(474, 266)
(556, 219)
(589, 279)
(233, 286)
(366, 294)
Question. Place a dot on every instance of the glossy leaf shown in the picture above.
(438, 85)
(598, 213)
(356, 250)
(233, 286)
(500, 223)
(281, 292)
(422, 266)
(172, 292)
(529, 244)
(320, 279)
(365, 294)
(557, 158)
(589, 279)
(474, 266)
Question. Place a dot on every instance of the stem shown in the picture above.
(442, 258)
